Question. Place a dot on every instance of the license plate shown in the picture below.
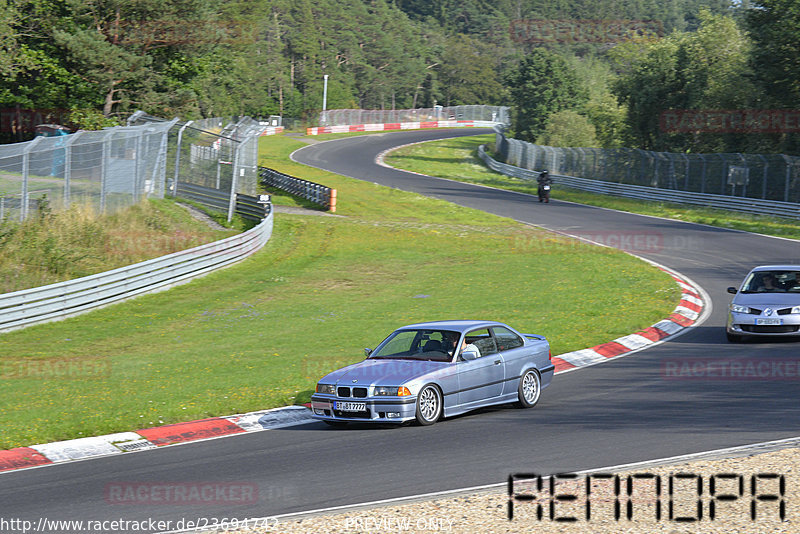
(547, 188)
(350, 406)
(773, 321)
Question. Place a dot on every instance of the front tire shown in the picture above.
(529, 390)
(733, 338)
(335, 424)
(429, 405)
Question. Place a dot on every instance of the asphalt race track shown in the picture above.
(619, 412)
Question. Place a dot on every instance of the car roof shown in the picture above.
(787, 267)
(458, 326)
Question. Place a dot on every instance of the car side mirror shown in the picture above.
(367, 352)
(470, 355)
(732, 290)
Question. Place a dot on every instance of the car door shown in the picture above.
(514, 354)
(482, 378)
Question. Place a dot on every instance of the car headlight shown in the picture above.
(796, 309)
(401, 391)
(738, 308)
(327, 389)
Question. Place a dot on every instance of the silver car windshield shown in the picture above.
(436, 345)
(772, 282)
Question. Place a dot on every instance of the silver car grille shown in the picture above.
(344, 391)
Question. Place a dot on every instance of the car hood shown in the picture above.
(775, 300)
(384, 372)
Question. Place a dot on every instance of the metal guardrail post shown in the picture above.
(68, 166)
(788, 177)
(764, 176)
(138, 179)
(685, 171)
(232, 202)
(178, 158)
(104, 170)
(703, 173)
(724, 180)
(744, 163)
(159, 176)
(26, 163)
(133, 118)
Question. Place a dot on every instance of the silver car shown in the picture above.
(766, 304)
(428, 370)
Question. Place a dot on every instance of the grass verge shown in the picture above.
(456, 159)
(261, 333)
(62, 245)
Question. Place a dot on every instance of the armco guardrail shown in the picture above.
(64, 299)
(429, 116)
(394, 126)
(207, 196)
(250, 207)
(755, 176)
(247, 206)
(316, 193)
(654, 194)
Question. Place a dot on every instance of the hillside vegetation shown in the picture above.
(605, 70)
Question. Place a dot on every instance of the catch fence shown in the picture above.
(108, 169)
(213, 153)
(774, 177)
(116, 167)
(342, 117)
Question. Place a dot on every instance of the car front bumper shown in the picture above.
(745, 324)
(378, 410)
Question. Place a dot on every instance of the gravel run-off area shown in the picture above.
(775, 500)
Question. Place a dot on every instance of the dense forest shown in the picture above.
(602, 73)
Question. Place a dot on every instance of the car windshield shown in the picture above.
(772, 282)
(418, 344)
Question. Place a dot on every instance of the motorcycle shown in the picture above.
(544, 193)
(544, 186)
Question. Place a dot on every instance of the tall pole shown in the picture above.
(178, 160)
(324, 97)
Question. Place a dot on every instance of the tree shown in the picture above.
(704, 70)
(774, 27)
(609, 119)
(11, 57)
(648, 88)
(117, 72)
(90, 119)
(542, 85)
(568, 128)
(466, 74)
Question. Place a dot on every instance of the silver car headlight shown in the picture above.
(382, 391)
(738, 308)
(796, 309)
(327, 389)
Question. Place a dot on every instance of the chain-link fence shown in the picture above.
(341, 117)
(217, 153)
(759, 176)
(116, 167)
(107, 169)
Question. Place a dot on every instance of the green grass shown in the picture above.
(261, 333)
(457, 159)
(54, 246)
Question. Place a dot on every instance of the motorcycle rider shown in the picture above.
(544, 186)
